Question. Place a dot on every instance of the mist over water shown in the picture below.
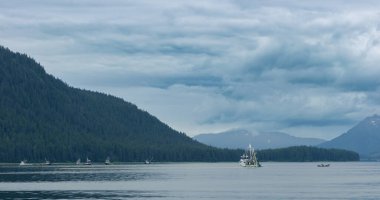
(348, 180)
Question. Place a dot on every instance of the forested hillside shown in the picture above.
(42, 117)
(306, 154)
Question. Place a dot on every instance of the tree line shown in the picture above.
(42, 117)
(306, 154)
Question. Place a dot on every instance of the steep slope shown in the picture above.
(41, 116)
(241, 138)
(363, 138)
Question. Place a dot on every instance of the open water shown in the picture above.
(346, 180)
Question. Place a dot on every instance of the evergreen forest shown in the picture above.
(41, 117)
(306, 154)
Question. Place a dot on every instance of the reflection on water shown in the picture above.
(74, 173)
(349, 180)
(76, 195)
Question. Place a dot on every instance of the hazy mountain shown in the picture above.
(363, 138)
(241, 139)
(42, 117)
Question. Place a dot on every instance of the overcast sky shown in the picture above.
(307, 68)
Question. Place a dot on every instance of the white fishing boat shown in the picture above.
(88, 162)
(78, 161)
(248, 159)
(108, 161)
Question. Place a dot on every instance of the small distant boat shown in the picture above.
(23, 163)
(148, 161)
(108, 161)
(323, 165)
(88, 162)
(47, 162)
(248, 159)
(78, 161)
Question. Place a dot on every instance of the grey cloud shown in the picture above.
(117, 77)
(260, 64)
(319, 122)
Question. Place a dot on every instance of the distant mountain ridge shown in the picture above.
(241, 138)
(363, 138)
(42, 117)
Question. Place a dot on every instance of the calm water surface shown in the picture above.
(349, 180)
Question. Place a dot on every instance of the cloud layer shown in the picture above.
(310, 69)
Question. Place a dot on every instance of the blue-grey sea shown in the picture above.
(343, 180)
